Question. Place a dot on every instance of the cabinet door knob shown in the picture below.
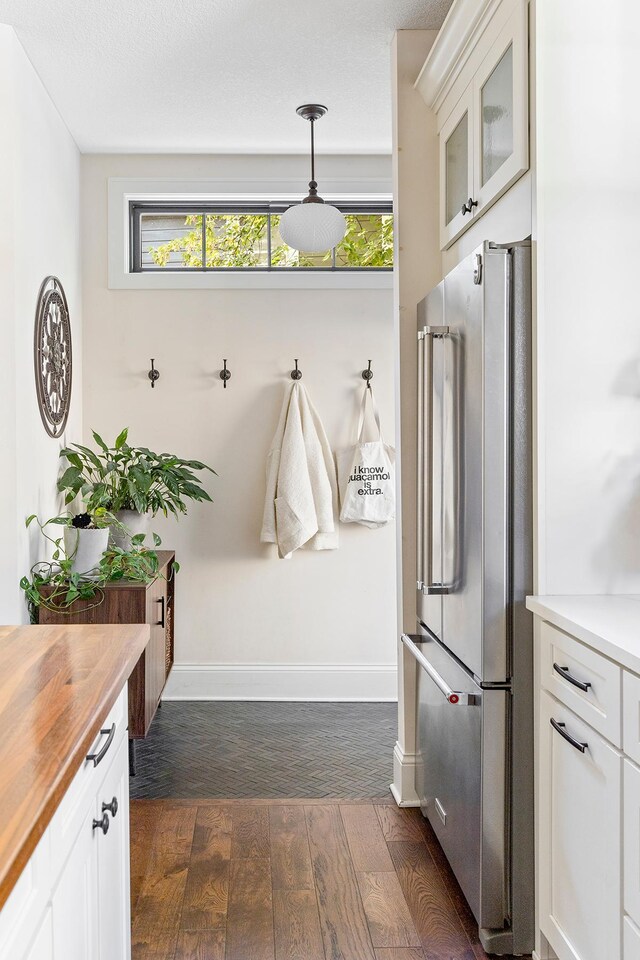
(161, 621)
(468, 206)
(112, 807)
(102, 824)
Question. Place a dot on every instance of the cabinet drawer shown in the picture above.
(630, 940)
(82, 790)
(631, 715)
(567, 665)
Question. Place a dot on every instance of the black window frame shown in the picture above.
(138, 208)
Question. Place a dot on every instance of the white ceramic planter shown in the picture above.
(84, 548)
(134, 522)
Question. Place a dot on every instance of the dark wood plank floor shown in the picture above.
(292, 880)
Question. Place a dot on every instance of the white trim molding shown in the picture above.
(463, 37)
(261, 681)
(403, 787)
(122, 190)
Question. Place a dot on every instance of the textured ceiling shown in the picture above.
(218, 75)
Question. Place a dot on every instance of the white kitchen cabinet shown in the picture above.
(579, 836)
(456, 170)
(75, 900)
(501, 101)
(113, 862)
(632, 840)
(42, 947)
(484, 128)
(75, 889)
(630, 940)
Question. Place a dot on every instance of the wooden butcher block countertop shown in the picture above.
(57, 685)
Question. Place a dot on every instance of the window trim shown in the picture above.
(137, 208)
(374, 184)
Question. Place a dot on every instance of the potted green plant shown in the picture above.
(133, 483)
(56, 584)
(85, 537)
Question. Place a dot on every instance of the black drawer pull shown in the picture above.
(560, 728)
(102, 824)
(161, 601)
(111, 808)
(564, 673)
(100, 755)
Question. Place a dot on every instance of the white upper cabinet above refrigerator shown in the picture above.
(476, 80)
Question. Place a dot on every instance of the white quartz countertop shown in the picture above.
(609, 624)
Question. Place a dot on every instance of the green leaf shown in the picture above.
(30, 519)
(156, 540)
(98, 439)
(73, 458)
(90, 455)
(121, 438)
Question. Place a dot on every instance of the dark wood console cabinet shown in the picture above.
(129, 602)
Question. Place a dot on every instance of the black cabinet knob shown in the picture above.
(112, 807)
(102, 824)
(468, 206)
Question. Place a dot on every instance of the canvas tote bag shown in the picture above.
(366, 475)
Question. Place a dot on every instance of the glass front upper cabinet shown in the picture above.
(484, 140)
(456, 165)
(496, 104)
(457, 162)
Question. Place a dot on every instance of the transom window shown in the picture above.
(209, 237)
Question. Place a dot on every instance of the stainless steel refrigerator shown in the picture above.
(474, 638)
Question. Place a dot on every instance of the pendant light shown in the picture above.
(312, 226)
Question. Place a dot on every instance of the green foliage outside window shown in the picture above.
(240, 240)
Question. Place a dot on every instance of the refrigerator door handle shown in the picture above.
(426, 566)
(420, 452)
(454, 697)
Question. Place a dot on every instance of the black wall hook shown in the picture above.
(225, 374)
(368, 375)
(296, 374)
(153, 374)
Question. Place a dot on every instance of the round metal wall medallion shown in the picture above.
(52, 356)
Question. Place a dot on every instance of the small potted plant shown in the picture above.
(132, 483)
(85, 537)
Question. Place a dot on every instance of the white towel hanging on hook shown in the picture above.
(301, 503)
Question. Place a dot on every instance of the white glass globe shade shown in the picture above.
(312, 227)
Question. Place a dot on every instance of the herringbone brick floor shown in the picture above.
(247, 749)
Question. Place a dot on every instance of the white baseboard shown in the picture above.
(403, 787)
(258, 681)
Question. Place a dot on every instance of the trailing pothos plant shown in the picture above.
(123, 477)
(54, 585)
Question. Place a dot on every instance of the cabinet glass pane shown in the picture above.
(497, 117)
(457, 160)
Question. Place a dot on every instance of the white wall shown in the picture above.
(247, 624)
(39, 235)
(415, 192)
(588, 192)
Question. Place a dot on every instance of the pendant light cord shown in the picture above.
(313, 169)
